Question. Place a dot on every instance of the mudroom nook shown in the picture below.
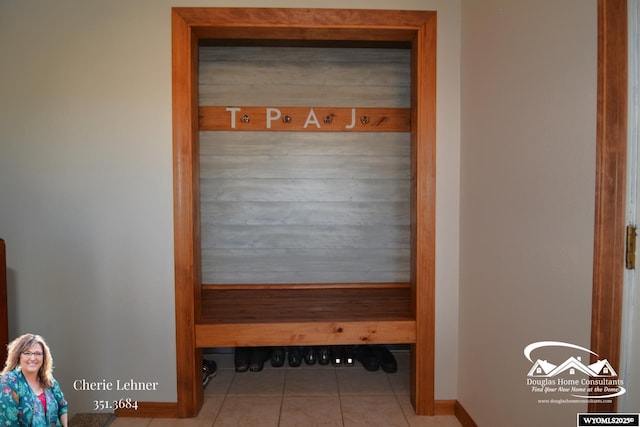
(304, 184)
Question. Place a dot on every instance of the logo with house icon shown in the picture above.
(573, 365)
(570, 377)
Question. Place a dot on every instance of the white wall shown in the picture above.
(86, 184)
(527, 198)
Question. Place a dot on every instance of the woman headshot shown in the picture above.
(29, 395)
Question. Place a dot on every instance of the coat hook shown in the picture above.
(328, 119)
(286, 119)
(364, 120)
(245, 119)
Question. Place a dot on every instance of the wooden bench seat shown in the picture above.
(310, 315)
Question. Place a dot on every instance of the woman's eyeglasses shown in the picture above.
(32, 353)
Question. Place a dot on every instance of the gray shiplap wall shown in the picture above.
(304, 207)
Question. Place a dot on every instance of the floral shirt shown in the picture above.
(19, 405)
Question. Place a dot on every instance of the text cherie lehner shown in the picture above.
(118, 385)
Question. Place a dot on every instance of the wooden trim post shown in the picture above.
(611, 176)
(186, 215)
(4, 318)
(423, 160)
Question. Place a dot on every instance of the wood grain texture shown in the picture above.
(295, 207)
(309, 119)
(423, 106)
(611, 175)
(223, 143)
(328, 25)
(295, 315)
(305, 305)
(287, 190)
(308, 77)
(311, 266)
(463, 416)
(306, 333)
(4, 314)
(186, 216)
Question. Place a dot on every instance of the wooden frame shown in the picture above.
(194, 329)
(4, 318)
(611, 176)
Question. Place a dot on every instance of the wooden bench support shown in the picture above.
(304, 333)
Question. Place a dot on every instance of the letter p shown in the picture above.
(272, 114)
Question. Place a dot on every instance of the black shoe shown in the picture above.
(278, 355)
(295, 357)
(368, 358)
(241, 359)
(209, 369)
(349, 355)
(337, 355)
(387, 361)
(259, 355)
(323, 355)
(309, 355)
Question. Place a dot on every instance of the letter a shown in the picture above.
(312, 118)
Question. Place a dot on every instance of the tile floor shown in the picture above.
(304, 396)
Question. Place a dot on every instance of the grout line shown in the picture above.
(224, 397)
(404, 414)
(281, 407)
(284, 387)
(335, 372)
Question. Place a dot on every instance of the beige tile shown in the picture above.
(254, 411)
(436, 421)
(130, 422)
(357, 381)
(311, 411)
(372, 411)
(269, 382)
(304, 396)
(423, 421)
(219, 385)
(310, 382)
(400, 381)
(406, 405)
(205, 418)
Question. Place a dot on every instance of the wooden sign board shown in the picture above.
(318, 119)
